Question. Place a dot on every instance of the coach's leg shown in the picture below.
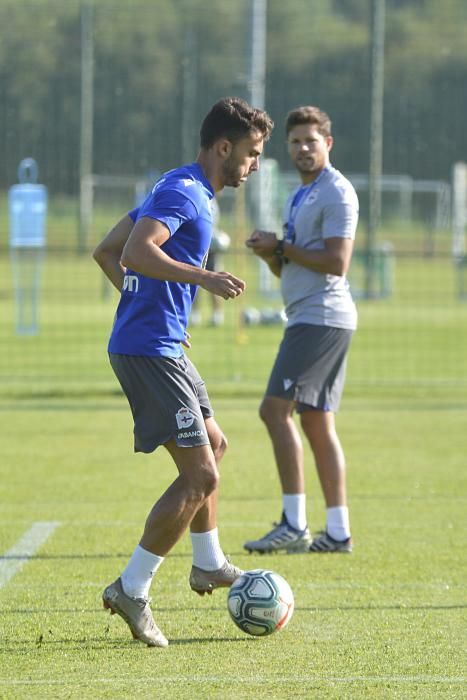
(319, 428)
(276, 413)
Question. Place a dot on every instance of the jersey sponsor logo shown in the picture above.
(130, 283)
(185, 417)
(287, 383)
(190, 434)
(188, 182)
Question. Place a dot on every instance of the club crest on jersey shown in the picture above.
(311, 197)
(184, 417)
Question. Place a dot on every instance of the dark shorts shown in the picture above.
(168, 400)
(310, 367)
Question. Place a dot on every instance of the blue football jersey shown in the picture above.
(152, 315)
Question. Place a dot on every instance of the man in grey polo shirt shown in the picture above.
(312, 260)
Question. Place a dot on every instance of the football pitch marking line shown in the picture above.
(17, 556)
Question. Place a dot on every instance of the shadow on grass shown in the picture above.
(13, 646)
(189, 609)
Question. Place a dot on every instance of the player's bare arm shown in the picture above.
(109, 252)
(142, 253)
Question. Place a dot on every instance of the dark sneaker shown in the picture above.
(202, 581)
(325, 543)
(283, 537)
(136, 613)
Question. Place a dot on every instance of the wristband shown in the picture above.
(279, 249)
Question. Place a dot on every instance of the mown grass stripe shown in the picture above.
(309, 679)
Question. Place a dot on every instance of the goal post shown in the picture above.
(459, 209)
(110, 195)
(268, 217)
(459, 225)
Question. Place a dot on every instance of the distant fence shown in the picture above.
(413, 335)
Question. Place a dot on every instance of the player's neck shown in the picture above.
(211, 171)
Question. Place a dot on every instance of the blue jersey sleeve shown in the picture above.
(133, 214)
(171, 207)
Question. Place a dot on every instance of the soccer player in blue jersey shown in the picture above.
(156, 256)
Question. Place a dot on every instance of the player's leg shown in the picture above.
(206, 517)
(165, 524)
(319, 428)
(173, 512)
(165, 412)
(210, 569)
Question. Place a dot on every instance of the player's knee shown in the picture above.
(266, 413)
(207, 480)
(211, 482)
(219, 447)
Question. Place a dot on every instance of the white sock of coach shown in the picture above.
(138, 574)
(337, 522)
(294, 507)
(207, 552)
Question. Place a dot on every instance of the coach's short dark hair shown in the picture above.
(232, 118)
(308, 115)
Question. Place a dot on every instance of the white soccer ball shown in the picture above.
(251, 316)
(220, 242)
(260, 602)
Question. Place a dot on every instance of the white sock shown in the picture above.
(137, 576)
(337, 522)
(207, 552)
(294, 507)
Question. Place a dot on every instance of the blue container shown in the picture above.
(28, 211)
(27, 203)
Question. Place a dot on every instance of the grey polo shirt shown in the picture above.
(328, 210)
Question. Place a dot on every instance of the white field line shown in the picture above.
(18, 555)
(262, 679)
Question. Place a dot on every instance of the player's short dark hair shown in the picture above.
(232, 118)
(309, 115)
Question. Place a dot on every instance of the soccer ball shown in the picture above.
(260, 602)
(220, 242)
(251, 316)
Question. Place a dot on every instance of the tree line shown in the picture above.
(158, 65)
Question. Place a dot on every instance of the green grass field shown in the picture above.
(387, 621)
